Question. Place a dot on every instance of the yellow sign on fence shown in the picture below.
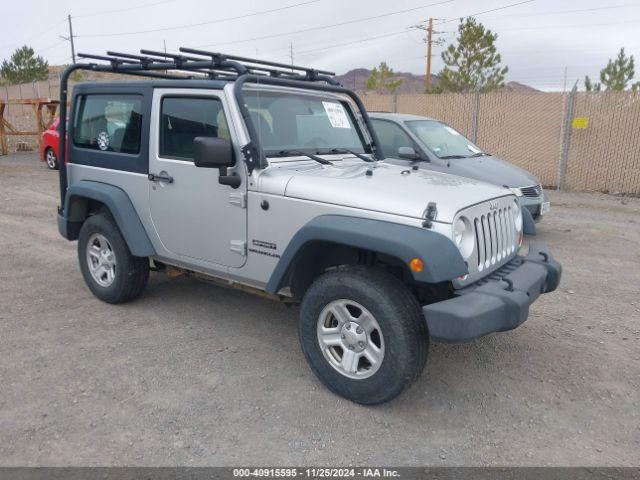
(580, 123)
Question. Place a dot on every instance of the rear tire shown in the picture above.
(50, 159)
(109, 269)
(377, 336)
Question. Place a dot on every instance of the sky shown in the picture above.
(538, 39)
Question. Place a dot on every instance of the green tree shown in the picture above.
(615, 76)
(382, 78)
(590, 86)
(24, 66)
(474, 63)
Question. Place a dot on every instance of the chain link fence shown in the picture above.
(574, 140)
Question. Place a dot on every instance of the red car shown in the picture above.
(49, 148)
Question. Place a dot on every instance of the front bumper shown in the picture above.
(497, 303)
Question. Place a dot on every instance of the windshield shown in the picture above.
(288, 121)
(442, 140)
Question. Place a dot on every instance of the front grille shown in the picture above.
(532, 192)
(495, 236)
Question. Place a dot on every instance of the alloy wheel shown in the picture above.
(51, 160)
(350, 339)
(101, 260)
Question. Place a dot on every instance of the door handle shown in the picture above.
(162, 177)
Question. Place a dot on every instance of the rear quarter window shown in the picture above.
(109, 123)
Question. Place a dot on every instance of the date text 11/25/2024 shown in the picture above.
(322, 472)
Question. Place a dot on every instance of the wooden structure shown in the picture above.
(44, 110)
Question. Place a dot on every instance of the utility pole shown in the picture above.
(291, 53)
(70, 39)
(428, 27)
(429, 42)
(73, 48)
(164, 44)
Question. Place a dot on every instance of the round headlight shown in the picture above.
(517, 215)
(463, 236)
(458, 232)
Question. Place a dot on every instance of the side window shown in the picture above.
(184, 118)
(391, 136)
(110, 123)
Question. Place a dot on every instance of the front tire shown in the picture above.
(109, 269)
(363, 334)
(51, 159)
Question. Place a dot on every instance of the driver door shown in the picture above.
(198, 220)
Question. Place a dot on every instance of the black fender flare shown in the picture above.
(119, 204)
(442, 259)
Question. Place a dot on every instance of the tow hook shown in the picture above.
(509, 283)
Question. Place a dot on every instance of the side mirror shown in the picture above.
(408, 153)
(213, 152)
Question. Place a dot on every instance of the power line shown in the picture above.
(487, 11)
(106, 12)
(386, 35)
(581, 10)
(428, 27)
(322, 27)
(199, 24)
(273, 53)
(42, 50)
(54, 26)
(344, 44)
(303, 52)
(548, 27)
(126, 9)
(362, 40)
(338, 45)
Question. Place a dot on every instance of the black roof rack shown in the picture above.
(200, 64)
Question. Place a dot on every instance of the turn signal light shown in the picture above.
(416, 265)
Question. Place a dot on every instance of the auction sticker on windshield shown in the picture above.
(337, 116)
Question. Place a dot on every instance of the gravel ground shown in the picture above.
(193, 374)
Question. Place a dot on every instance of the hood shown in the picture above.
(389, 189)
(493, 170)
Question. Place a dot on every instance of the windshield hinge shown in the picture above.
(239, 199)
(239, 246)
(430, 214)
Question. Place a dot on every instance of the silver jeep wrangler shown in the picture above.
(269, 178)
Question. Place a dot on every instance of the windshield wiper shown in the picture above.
(346, 150)
(479, 154)
(284, 153)
(449, 157)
